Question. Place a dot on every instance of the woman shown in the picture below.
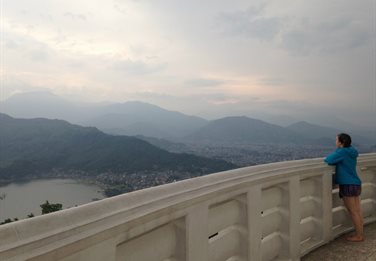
(345, 158)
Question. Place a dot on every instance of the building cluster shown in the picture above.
(254, 154)
(115, 183)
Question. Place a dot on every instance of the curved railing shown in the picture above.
(276, 211)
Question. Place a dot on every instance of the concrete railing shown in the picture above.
(278, 211)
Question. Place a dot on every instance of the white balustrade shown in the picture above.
(278, 211)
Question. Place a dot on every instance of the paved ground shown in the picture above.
(340, 249)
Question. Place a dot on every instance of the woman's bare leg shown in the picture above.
(353, 206)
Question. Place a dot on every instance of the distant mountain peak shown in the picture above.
(35, 95)
(5, 116)
(302, 123)
(239, 118)
(140, 103)
(243, 130)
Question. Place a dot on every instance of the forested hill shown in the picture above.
(32, 146)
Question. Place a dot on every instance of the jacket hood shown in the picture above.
(351, 151)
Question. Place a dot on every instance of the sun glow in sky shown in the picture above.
(211, 58)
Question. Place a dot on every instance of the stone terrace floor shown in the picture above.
(340, 249)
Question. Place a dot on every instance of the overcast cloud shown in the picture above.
(211, 58)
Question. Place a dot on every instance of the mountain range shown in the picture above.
(31, 146)
(138, 118)
(129, 118)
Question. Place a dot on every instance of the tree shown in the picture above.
(48, 208)
(3, 196)
(8, 220)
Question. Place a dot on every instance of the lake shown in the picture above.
(24, 198)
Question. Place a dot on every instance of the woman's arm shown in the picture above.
(333, 158)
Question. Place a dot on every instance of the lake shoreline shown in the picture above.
(24, 196)
(83, 178)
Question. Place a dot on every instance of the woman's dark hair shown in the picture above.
(345, 139)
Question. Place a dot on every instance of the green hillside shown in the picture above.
(30, 146)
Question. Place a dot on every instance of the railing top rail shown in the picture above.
(135, 204)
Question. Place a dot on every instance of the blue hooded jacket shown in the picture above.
(345, 160)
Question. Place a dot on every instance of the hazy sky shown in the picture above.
(209, 58)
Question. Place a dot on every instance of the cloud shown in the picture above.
(251, 23)
(119, 7)
(21, 45)
(334, 25)
(296, 34)
(11, 44)
(137, 67)
(326, 37)
(203, 82)
(75, 16)
(272, 81)
(39, 55)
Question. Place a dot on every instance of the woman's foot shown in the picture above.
(355, 238)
